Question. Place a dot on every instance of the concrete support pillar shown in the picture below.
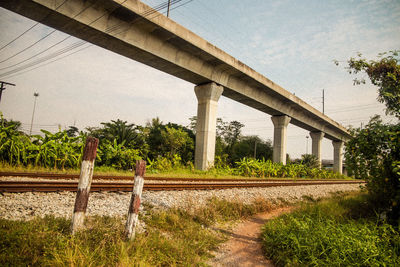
(280, 129)
(316, 138)
(337, 156)
(207, 97)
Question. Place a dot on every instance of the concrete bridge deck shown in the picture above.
(133, 29)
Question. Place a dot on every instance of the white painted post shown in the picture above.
(85, 181)
(133, 212)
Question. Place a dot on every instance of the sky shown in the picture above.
(292, 43)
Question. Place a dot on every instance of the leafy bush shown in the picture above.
(51, 150)
(117, 156)
(172, 237)
(262, 168)
(339, 232)
(373, 154)
(165, 163)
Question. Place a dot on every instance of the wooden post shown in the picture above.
(85, 181)
(134, 205)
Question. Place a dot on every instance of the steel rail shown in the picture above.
(57, 176)
(56, 186)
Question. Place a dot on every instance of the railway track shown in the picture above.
(56, 186)
(57, 176)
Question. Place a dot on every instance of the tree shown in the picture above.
(231, 132)
(247, 145)
(15, 125)
(122, 132)
(373, 153)
(72, 131)
(167, 140)
(175, 139)
(154, 138)
(309, 160)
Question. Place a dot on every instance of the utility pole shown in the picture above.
(2, 88)
(323, 101)
(169, 3)
(33, 113)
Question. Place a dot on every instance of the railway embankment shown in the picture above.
(27, 205)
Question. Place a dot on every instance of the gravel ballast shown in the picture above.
(25, 206)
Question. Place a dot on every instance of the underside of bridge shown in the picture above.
(134, 30)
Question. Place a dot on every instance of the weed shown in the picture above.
(173, 237)
(342, 231)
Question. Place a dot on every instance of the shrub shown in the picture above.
(339, 232)
(373, 154)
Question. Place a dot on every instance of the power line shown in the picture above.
(26, 48)
(29, 29)
(45, 50)
(77, 44)
(19, 36)
(50, 62)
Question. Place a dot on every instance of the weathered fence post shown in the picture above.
(85, 180)
(134, 205)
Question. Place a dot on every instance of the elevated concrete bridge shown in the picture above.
(133, 29)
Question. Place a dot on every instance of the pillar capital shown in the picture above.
(280, 121)
(208, 92)
(338, 144)
(317, 135)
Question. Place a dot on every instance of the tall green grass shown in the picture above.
(172, 238)
(344, 231)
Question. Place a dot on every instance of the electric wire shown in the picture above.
(33, 44)
(29, 29)
(77, 44)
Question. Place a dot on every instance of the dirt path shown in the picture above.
(244, 246)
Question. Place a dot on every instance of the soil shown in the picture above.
(244, 245)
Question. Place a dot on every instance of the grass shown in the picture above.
(172, 238)
(103, 170)
(343, 231)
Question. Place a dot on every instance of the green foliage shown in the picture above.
(164, 164)
(251, 146)
(23, 244)
(117, 156)
(167, 140)
(262, 168)
(310, 161)
(373, 154)
(173, 237)
(175, 139)
(122, 132)
(339, 232)
(16, 125)
(51, 150)
(60, 150)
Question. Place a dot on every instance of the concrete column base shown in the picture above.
(207, 96)
(337, 156)
(280, 129)
(316, 138)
